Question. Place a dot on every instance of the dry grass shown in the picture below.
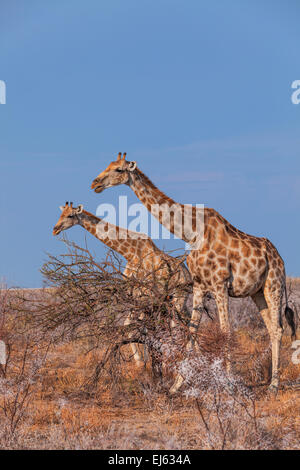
(61, 414)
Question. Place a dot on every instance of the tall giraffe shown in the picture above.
(224, 261)
(143, 256)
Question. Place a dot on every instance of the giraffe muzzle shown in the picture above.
(56, 230)
(97, 186)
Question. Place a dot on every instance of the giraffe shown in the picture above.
(223, 260)
(142, 255)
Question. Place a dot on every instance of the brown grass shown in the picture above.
(137, 415)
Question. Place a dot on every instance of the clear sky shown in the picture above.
(198, 92)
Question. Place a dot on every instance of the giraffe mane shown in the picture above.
(149, 183)
(91, 215)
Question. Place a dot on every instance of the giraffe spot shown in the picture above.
(223, 273)
(255, 242)
(271, 274)
(205, 248)
(243, 271)
(220, 249)
(206, 272)
(148, 265)
(253, 276)
(211, 264)
(246, 264)
(261, 263)
(211, 254)
(257, 252)
(246, 251)
(280, 263)
(209, 236)
(278, 273)
(223, 237)
(222, 262)
(234, 243)
(253, 261)
(235, 256)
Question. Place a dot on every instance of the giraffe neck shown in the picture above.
(175, 217)
(117, 238)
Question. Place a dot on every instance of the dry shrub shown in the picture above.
(89, 301)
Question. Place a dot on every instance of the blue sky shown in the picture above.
(198, 92)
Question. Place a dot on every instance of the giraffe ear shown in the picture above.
(132, 166)
(61, 208)
(79, 209)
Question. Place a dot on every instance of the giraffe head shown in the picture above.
(68, 218)
(117, 172)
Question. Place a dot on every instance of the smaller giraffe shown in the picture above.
(143, 256)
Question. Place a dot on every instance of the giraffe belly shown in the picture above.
(243, 277)
(241, 286)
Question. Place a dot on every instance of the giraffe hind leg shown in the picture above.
(269, 302)
(273, 298)
(260, 302)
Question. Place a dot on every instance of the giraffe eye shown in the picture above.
(118, 170)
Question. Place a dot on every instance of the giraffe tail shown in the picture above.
(290, 317)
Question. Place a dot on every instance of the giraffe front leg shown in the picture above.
(198, 296)
(221, 298)
(134, 347)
